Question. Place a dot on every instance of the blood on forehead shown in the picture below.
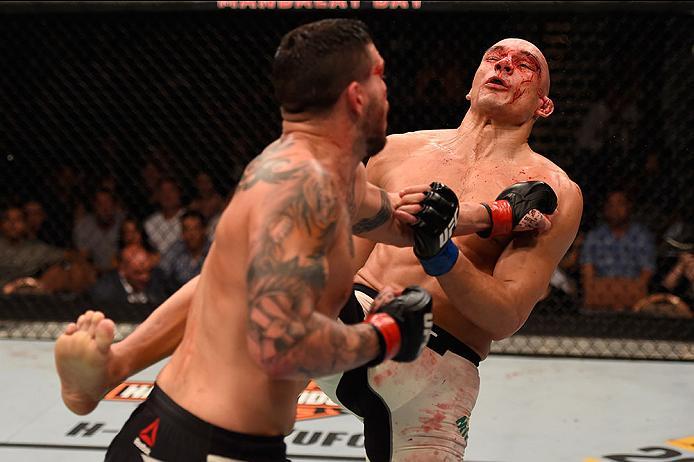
(503, 50)
(532, 56)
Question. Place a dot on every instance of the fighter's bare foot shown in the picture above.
(82, 357)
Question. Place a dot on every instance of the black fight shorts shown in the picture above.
(161, 430)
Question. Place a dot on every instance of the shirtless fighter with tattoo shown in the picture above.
(262, 314)
(420, 411)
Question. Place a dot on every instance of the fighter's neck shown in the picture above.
(490, 138)
(335, 148)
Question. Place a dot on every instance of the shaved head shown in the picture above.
(532, 50)
(511, 84)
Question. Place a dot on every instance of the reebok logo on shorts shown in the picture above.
(147, 437)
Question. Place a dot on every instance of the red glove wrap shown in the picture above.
(388, 331)
(501, 215)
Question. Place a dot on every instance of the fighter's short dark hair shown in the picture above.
(317, 61)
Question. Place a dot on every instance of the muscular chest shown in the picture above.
(471, 180)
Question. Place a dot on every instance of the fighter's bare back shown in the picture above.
(214, 373)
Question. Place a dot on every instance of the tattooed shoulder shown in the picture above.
(288, 270)
(305, 210)
(271, 166)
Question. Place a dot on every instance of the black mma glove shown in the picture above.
(514, 208)
(403, 326)
(433, 231)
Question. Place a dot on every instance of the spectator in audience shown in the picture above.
(35, 215)
(618, 258)
(151, 174)
(65, 192)
(109, 182)
(611, 121)
(133, 233)
(646, 187)
(212, 222)
(96, 234)
(135, 281)
(212, 226)
(439, 87)
(164, 226)
(141, 197)
(563, 291)
(183, 261)
(674, 296)
(663, 305)
(679, 237)
(679, 280)
(207, 199)
(677, 296)
(440, 81)
(34, 265)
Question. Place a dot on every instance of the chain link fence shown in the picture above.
(114, 122)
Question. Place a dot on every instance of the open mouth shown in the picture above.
(496, 82)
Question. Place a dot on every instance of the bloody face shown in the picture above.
(511, 82)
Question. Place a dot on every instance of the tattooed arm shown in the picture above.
(292, 234)
(375, 217)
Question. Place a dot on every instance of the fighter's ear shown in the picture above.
(546, 108)
(356, 99)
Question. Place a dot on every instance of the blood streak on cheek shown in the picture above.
(521, 91)
(516, 95)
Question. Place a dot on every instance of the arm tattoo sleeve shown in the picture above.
(285, 281)
(382, 216)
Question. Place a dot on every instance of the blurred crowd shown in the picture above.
(91, 242)
(133, 245)
(622, 265)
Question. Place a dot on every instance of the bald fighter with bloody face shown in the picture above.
(421, 411)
